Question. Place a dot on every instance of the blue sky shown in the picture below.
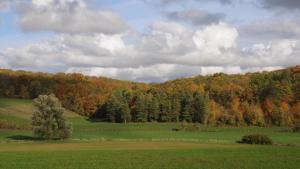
(145, 40)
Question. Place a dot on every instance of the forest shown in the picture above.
(254, 99)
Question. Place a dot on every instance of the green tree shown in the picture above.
(124, 112)
(140, 109)
(165, 107)
(111, 107)
(188, 109)
(48, 121)
(117, 108)
(175, 108)
(201, 108)
(153, 110)
(206, 111)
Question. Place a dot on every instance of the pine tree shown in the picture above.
(117, 108)
(140, 109)
(165, 107)
(175, 108)
(206, 111)
(198, 106)
(201, 106)
(153, 111)
(112, 107)
(188, 109)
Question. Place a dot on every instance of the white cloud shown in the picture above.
(68, 16)
(159, 72)
(164, 72)
(170, 51)
(214, 38)
(34, 55)
(169, 27)
(281, 52)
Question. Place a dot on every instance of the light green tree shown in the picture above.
(48, 121)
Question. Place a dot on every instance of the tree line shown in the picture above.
(265, 98)
(152, 106)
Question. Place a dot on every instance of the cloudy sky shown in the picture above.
(149, 40)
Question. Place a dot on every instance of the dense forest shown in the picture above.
(261, 99)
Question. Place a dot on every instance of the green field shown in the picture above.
(145, 145)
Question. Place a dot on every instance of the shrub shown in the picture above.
(256, 139)
(189, 126)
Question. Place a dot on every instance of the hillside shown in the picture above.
(266, 98)
(16, 113)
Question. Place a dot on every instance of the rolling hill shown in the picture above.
(259, 99)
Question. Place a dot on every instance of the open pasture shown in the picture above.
(141, 145)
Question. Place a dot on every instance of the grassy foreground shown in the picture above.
(131, 154)
(107, 145)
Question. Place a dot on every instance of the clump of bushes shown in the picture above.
(185, 126)
(189, 126)
(256, 139)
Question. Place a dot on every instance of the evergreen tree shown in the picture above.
(188, 109)
(175, 108)
(153, 111)
(117, 108)
(140, 109)
(112, 107)
(165, 108)
(198, 106)
(201, 106)
(206, 111)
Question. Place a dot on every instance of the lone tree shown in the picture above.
(48, 121)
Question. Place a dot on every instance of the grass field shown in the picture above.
(107, 145)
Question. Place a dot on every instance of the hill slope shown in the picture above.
(266, 98)
(16, 113)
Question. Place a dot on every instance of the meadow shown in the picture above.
(140, 145)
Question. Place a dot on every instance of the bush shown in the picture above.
(256, 139)
(189, 126)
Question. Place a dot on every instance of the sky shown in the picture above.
(149, 40)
